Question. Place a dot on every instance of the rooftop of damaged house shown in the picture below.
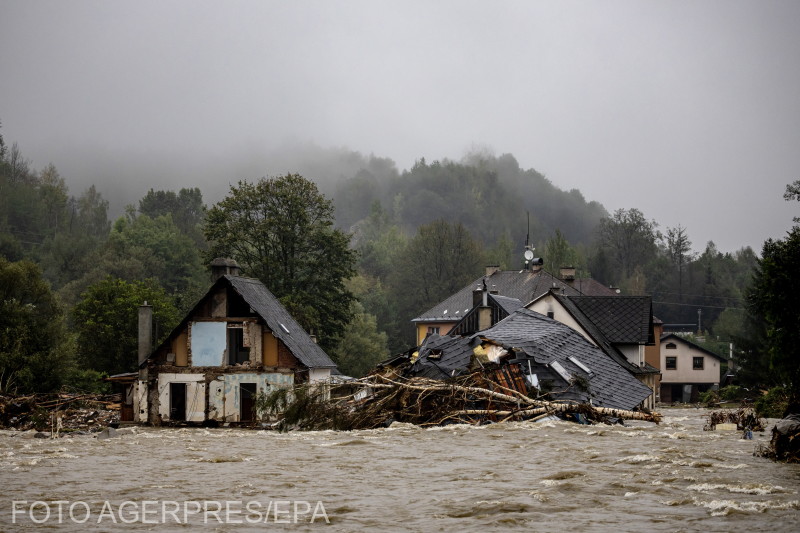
(571, 338)
(237, 342)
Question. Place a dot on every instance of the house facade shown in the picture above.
(687, 369)
(237, 342)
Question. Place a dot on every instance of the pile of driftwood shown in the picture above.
(380, 399)
(66, 411)
(745, 419)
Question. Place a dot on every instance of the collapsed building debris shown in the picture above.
(378, 400)
(59, 412)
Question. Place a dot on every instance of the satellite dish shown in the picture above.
(528, 255)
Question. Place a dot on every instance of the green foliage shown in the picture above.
(628, 241)
(186, 209)
(773, 305)
(439, 260)
(87, 381)
(305, 407)
(362, 346)
(281, 231)
(35, 349)
(488, 195)
(106, 321)
(773, 404)
(559, 253)
(731, 393)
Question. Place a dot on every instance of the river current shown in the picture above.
(546, 476)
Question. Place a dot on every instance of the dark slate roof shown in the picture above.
(523, 285)
(546, 340)
(622, 319)
(539, 341)
(452, 356)
(509, 305)
(278, 319)
(598, 335)
(590, 287)
(672, 336)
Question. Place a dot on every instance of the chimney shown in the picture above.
(145, 331)
(224, 266)
(477, 297)
(567, 273)
(484, 312)
(491, 269)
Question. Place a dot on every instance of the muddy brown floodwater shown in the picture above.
(552, 476)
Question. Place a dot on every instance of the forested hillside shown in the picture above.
(416, 236)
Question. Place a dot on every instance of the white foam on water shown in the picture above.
(752, 488)
(725, 507)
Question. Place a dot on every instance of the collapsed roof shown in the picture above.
(551, 354)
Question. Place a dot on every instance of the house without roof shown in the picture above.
(237, 341)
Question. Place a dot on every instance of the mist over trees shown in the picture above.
(354, 253)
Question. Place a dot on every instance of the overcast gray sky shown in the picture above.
(686, 110)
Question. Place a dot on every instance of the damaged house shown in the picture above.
(237, 341)
(621, 328)
(547, 354)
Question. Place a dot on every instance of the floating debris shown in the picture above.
(59, 412)
(743, 419)
(381, 399)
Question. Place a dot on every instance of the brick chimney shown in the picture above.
(145, 335)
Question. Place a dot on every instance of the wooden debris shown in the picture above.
(744, 418)
(475, 398)
(74, 411)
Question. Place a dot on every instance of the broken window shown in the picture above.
(238, 352)
(697, 363)
(671, 363)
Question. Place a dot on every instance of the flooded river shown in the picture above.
(552, 476)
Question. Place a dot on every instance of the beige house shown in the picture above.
(687, 369)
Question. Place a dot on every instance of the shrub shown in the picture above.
(773, 404)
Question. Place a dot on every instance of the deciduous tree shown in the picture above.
(280, 230)
(35, 349)
(106, 320)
